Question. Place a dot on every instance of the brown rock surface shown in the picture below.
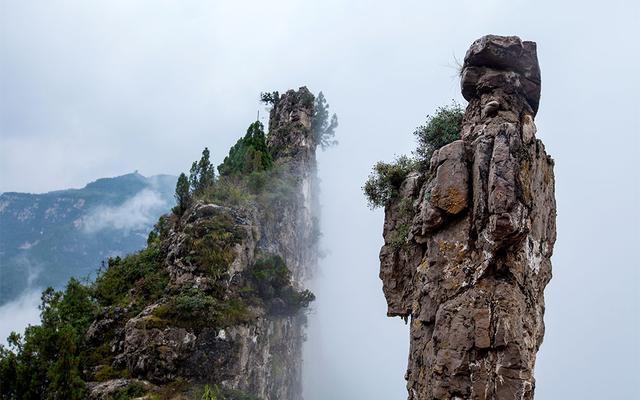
(472, 275)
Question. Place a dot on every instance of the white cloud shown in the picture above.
(136, 213)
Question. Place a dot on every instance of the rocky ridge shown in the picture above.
(477, 230)
(252, 343)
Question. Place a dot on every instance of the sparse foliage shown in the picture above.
(385, 180)
(440, 129)
(323, 126)
(272, 281)
(270, 98)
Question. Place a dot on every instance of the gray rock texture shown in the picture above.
(477, 231)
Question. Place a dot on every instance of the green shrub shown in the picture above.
(270, 272)
(195, 309)
(210, 244)
(190, 309)
(440, 129)
(272, 282)
(141, 271)
(296, 300)
(193, 303)
(384, 182)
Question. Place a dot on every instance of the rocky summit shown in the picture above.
(478, 229)
(234, 270)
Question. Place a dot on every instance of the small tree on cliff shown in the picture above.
(270, 98)
(182, 195)
(202, 174)
(440, 129)
(384, 181)
(322, 126)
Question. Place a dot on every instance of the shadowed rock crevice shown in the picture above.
(482, 228)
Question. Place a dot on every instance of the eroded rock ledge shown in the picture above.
(471, 272)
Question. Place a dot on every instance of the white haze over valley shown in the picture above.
(17, 314)
(135, 213)
(94, 89)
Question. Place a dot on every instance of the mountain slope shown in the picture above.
(47, 238)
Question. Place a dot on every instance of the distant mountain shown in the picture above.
(47, 238)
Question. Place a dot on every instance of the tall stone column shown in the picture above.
(481, 226)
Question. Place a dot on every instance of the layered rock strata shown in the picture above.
(477, 229)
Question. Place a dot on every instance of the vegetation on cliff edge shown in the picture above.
(442, 128)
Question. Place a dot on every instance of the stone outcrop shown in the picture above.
(478, 230)
(255, 350)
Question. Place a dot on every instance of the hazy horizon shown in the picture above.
(91, 90)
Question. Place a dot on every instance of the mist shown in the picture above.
(135, 213)
(22, 311)
(19, 313)
(98, 89)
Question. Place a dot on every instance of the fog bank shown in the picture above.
(17, 314)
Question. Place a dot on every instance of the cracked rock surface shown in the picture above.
(471, 272)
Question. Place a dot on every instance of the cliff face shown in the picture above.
(294, 230)
(478, 231)
(231, 258)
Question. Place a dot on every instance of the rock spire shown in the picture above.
(472, 272)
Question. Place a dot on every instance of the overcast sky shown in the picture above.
(92, 89)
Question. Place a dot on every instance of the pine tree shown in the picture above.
(249, 154)
(202, 174)
(322, 127)
(183, 196)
